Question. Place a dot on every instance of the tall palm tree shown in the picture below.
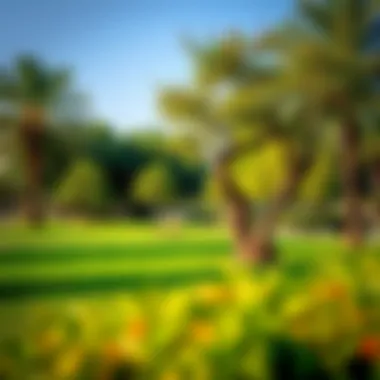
(31, 89)
(326, 53)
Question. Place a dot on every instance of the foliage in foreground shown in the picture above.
(305, 321)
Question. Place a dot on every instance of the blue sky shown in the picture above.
(121, 51)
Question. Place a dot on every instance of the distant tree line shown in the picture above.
(93, 169)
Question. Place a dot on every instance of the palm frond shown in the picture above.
(371, 35)
(57, 84)
(344, 22)
(359, 15)
(373, 9)
(31, 79)
(8, 86)
(37, 83)
(370, 64)
(317, 14)
(220, 62)
(181, 104)
(284, 37)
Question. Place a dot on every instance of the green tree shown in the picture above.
(83, 189)
(9, 170)
(32, 88)
(154, 186)
(331, 53)
(234, 107)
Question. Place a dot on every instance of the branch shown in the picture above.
(299, 167)
(237, 203)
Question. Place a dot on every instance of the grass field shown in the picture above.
(79, 299)
(80, 257)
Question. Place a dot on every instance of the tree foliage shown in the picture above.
(30, 81)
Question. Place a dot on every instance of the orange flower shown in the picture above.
(214, 294)
(203, 332)
(337, 291)
(330, 291)
(137, 329)
(112, 351)
(369, 347)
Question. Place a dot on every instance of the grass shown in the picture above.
(93, 257)
(78, 290)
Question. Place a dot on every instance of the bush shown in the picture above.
(83, 189)
(154, 186)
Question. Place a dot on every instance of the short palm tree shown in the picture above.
(30, 88)
(235, 103)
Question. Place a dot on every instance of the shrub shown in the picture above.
(83, 189)
(154, 186)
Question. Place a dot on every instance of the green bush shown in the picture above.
(83, 189)
(154, 186)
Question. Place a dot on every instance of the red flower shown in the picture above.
(369, 347)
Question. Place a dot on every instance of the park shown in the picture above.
(237, 239)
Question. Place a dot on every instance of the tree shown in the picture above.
(154, 186)
(83, 189)
(31, 88)
(328, 55)
(235, 108)
(119, 156)
(373, 161)
(9, 169)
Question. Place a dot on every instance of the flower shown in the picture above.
(214, 295)
(137, 329)
(329, 291)
(369, 347)
(113, 351)
(203, 332)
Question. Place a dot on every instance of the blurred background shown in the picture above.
(190, 190)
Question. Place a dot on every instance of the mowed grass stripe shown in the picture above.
(107, 233)
(112, 252)
(10, 290)
(22, 253)
(49, 271)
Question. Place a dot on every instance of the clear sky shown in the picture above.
(122, 50)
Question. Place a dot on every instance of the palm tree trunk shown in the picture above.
(261, 247)
(375, 170)
(255, 245)
(238, 208)
(32, 139)
(353, 217)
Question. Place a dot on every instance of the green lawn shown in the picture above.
(77, 289)
(80, 257)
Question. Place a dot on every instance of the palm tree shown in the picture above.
(31, 89)
(236, 95)
(372, 150)
(326, 52)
